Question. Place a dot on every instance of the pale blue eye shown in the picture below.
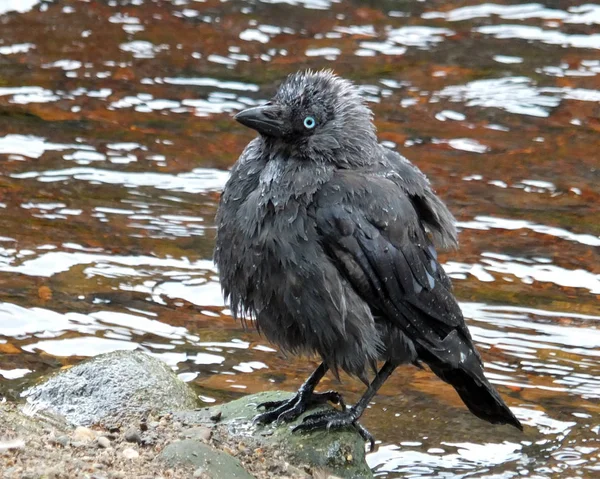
(309, 122)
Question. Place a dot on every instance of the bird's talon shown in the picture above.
(269, 405)
(290, 409)
(332, 420)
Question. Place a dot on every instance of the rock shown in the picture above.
(29, 422)
(130, 453)
(83, 434)
(112, 388)
(215, 464)
(201, 433)
(133, 435)
(341, 452)
(6, 445)
(103, 442)
(199, 472)
(62, 440)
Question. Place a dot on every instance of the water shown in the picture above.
(116, 137)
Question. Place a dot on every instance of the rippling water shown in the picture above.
(116, 137)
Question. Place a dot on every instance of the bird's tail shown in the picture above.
(477, 393)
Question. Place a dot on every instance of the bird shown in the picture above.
(328, 241)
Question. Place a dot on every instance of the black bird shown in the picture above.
(328, 240)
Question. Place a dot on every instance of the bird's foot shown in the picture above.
(290, 409)
(335, 419)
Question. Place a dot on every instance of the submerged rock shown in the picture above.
(338, 452)
(112, 388)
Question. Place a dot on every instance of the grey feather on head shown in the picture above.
(323, 118)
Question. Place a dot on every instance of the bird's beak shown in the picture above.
(265, 119)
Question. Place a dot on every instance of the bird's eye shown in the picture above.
(309, 123)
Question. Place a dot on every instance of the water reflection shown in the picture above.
(116, 138)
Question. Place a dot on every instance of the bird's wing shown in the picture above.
(371, 229)
(432, 212)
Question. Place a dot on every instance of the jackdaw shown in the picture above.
(327, 239)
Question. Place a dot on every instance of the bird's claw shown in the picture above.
(335, 419)
(290, 409)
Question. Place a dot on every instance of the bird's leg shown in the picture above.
(290, 409)
(337, 419)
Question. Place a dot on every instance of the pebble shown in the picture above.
(132, 435)
(199, 472)
(60, 441)
(201, 432)
(103, 442)
(130, 453)
(83, 434)
(12, 444)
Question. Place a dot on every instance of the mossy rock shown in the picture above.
(341, 452)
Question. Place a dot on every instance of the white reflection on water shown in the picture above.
(585, 14)
(465, 457)
(463, 144)
(397, 40)
(105, 331)
(489, 222)
(205, 82)
(309, 4)
(516, 326)
(14, 373)
(140, 325)
(513, 94)
(142, 49)
(33, 146)
(20, 6)
(527, 271)
(86, 346)
(16, 48)
(53, 262)
(552, 37)
(516, 95)
(198, 180)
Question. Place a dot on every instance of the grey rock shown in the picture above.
(215, 464)
(62, 440)
(112, 388)
(28, 421)
(83, 434)
(103, 442)
(133, 435)
(341, 452)
(201, 433)
(130, 453)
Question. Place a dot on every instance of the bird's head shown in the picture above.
(315, 114)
